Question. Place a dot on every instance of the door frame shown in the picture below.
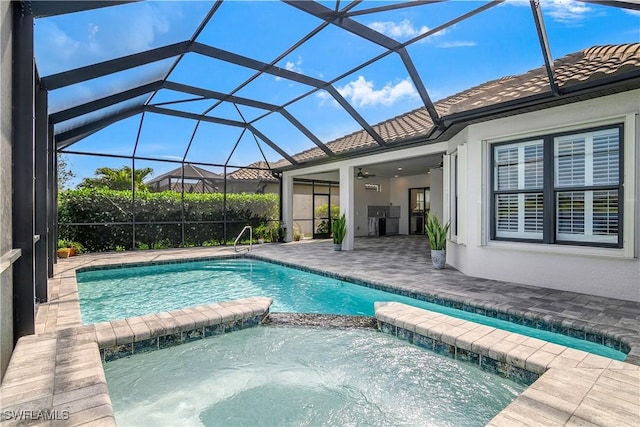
(425, 211)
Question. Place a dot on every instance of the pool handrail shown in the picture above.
(235, 243)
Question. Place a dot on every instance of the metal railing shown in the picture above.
(235, 243)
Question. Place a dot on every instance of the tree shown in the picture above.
(117, 179)
(65, 174)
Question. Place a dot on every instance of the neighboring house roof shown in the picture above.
(248, 174)
(194, 187)
(190, 172)
(588, 65)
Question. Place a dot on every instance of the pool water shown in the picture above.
(276, 376)
(134, 291)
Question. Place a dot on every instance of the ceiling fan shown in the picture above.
(363, 175)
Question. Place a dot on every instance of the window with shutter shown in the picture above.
(518, 186)
(581, 184)
(589, 165)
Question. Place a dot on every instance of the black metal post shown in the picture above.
(133, 203)
(224, 206)
(23, 80)
(40, 205)
(52, 201)
(183, 225)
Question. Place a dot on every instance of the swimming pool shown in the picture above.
(114, 293)
(275, 376)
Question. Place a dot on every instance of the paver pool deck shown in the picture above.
(60, 367)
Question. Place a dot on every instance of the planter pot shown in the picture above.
(63, 253)
(438, 258)
(337, 246)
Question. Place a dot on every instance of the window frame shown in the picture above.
(550, 191)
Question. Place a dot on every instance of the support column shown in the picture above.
(40, 210)
(52, 202)
(286, 198)
(23, 170)
(54, 228)
(347, 202)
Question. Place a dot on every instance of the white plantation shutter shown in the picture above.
(518, 169)
(533, 166)
(533, 213)
(606, 159)
(587, 160)
(507, 213)
(570, 214)
(570, 162)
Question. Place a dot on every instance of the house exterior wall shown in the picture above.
(400, 195)
(364, 198)
(606, 272)
(6, 277)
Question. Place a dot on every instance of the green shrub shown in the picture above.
(203, 214)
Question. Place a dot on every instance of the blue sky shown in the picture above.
(498, 42)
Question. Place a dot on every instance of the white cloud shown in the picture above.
(56, 42)
(565, 11)
(562, 11)
(361, 93)
(137, 32)
(632, 12)
(446, 45)
(295, 67)
(113, 34)
(398, 30)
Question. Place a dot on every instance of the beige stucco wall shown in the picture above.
(6, 280)
(598, 271)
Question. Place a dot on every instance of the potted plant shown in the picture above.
(63, 252)
(297, 235)
(339, 230)
(282, 233)
(76, 248)
(260, 233)
(64, 249)
(437, 234)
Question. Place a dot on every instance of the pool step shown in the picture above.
(568, 386)
(125, 337)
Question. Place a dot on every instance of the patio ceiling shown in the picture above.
(217, 92)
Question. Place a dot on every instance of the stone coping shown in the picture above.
(568, 386)
(56, 379)
(125, 337)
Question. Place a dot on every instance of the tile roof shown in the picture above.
(246, 174)
(587, 65)
(190, 172)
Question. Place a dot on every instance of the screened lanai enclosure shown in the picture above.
(212, 101)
